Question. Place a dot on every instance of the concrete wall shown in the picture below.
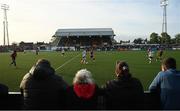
(14, 100)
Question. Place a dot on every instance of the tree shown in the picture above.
(165, 38)
(154, 38)
(145, 41)
(173, 40)
(120, 41)
(138, 41)
(14, 44)
(177, 38)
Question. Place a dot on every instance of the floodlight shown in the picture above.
(164, 2)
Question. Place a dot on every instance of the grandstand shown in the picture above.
(83, 37)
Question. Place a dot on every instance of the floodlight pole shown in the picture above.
(164, 4)
(4, 33)
(5, 7)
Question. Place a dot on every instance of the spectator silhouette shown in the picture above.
(3, 96)
(124, 92)
(83, 94)
(3, 90)
(42, 88)
(167, 84)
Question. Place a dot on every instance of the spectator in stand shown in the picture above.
(13, 57)
(167, 84)
(125, 92)
(83, 94)
(42, 88)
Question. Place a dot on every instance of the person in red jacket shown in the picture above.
(83, 94)
(13, 57)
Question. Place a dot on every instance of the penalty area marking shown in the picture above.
(67, 62)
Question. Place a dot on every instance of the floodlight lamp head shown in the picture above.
(164, 2)
(5, 7)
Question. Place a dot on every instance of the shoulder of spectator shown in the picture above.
(3, 89)
(60, 80)
(161, 74)
(24, 80)
(107, 85)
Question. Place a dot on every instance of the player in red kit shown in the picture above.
(13, 57)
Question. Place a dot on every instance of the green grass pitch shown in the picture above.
(102, 69)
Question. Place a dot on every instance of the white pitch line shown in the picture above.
(67, 62)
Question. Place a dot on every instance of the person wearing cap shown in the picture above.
(83, 94)
(167, 85)
(124, 92)
(42, 88)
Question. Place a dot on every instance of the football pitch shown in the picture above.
(102, 69)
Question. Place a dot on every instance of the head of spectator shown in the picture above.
(42, 88)
(168, 63)
(167, 85)
(122, 69)
(83, 76)
(124, 92)
(42, 69)
(83, 84)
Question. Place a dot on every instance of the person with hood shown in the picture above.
(42, 88)
(124, 92)
(167, 85)
(83, 94)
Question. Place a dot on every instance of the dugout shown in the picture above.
(83, 37)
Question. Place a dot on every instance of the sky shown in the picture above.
(38, 20)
